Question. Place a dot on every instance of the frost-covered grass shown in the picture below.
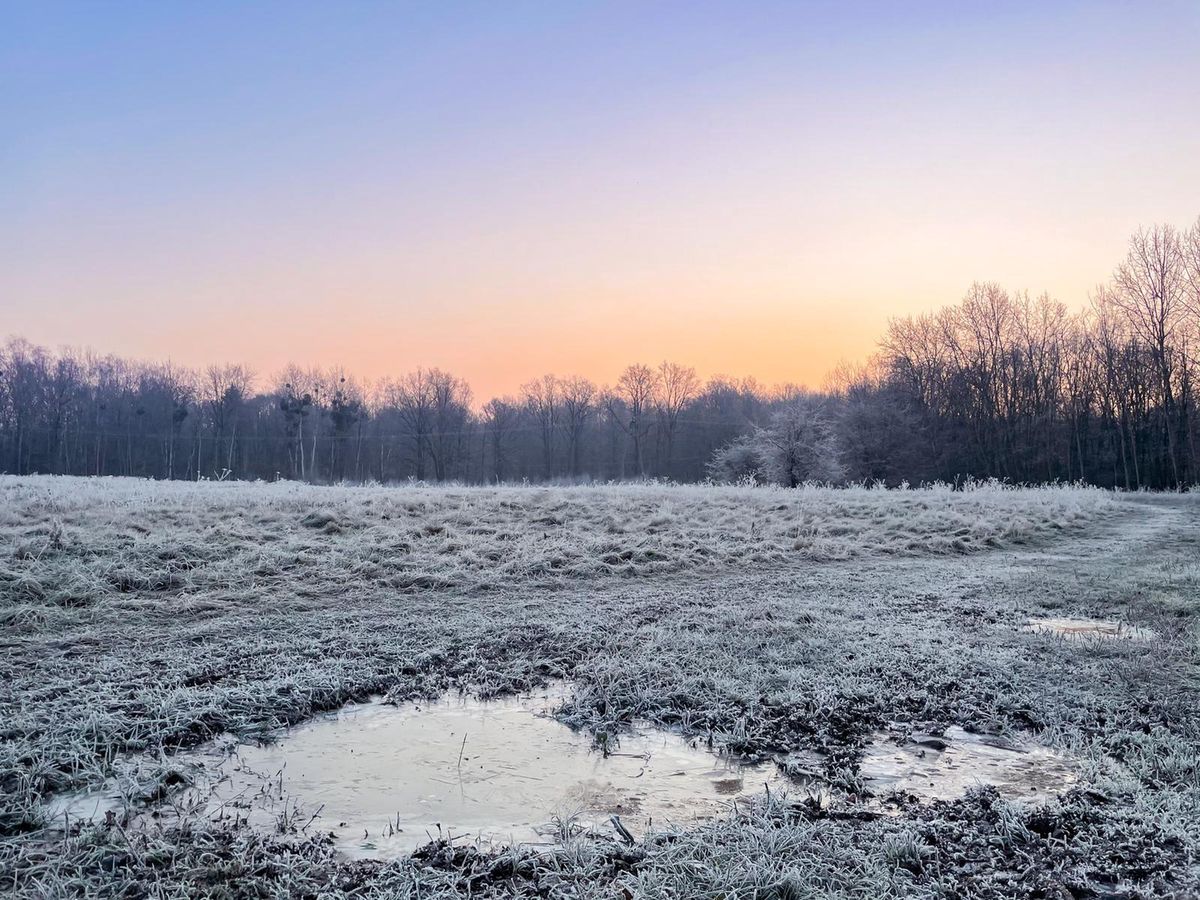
(75, 541)
(137, 617)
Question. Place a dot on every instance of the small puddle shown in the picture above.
(1084, 629)
(943, 768)
(387, 779)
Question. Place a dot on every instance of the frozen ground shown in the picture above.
(94, 536)
(139, 617)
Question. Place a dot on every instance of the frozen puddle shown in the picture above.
(943, 768)
(387, 779)
(1085, 629)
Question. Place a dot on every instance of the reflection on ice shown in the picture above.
(1089, 629)
(387, 779)
(944, 767)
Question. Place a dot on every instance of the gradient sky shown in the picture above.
(509, 188)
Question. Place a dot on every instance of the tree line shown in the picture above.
(999, 385)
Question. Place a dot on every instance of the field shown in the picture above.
(140, 618)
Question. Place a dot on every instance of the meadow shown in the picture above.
(141, 618)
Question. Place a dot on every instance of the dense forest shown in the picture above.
(1000, 385)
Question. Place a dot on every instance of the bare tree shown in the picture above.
(25, 367)
(541, 398)
(1190, 247)
(450, 422)
(631, 403)
(500, 418)
(347, 413)
(676, 388)
(578, 404)
(1190, 250)
(1151, 287)
(167, 394)
(412, 396)
(223, 390)
(298, 391)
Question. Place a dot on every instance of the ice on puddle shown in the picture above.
(945, 767)
(1089, 629)
(386, 779)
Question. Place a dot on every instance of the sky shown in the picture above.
(506, 189)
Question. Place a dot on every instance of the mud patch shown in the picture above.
(1089, 629)
(944, 767)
